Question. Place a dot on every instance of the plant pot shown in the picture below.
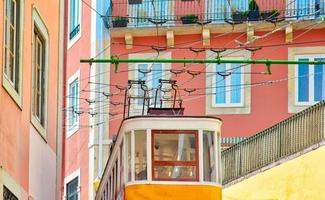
(135, 1)
(253, 15)
(239, 17)
(189, 19)
(120, 23)
(269, 15)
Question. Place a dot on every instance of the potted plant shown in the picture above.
(239, 16)
(135, 1)
(120, 21)
(270, 14)
(189, 19)
(253, 13)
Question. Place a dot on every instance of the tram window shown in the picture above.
(107, 189)
(121, 166)
(117, 177)
(175, 155)
(111, 186)
(140, 160)
(209, 154)
(128, 156)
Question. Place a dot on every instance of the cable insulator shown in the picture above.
(189, 90)
(92, 113)
(121, 88)
(177, 71)
(106, 94)
(90, 101)
(193, 73)
(78, 112)
(224, 74)
(197, 50)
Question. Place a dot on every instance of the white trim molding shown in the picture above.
(295, 53)
(228, 108)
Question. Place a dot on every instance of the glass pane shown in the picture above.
(209, 168)
(72, 189)
(319, 82)
(303, 82)
(12, 13)
(141, 76)
(11, 68)
(235, 84)
(156, 75)
(8, 195)
(128, 156)
(72, 14)
(174, 147)
(12, 41)
(175, 172)
(140, 160)
(220, 85)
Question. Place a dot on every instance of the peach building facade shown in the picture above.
(31, 61)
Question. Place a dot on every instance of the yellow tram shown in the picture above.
(164, 155)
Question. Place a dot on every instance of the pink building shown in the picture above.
(238, 94)
(85, 147)
(30, 99)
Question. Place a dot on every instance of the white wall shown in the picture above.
(42, 168)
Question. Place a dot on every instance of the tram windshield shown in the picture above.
(175, 155)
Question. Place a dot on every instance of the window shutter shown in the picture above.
(235, 84)
(220, 85)
(303, 81)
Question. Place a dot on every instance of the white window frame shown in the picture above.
(72, 41)
(227, 92)
(311, 79)
(42, 29)
(68, 179)
(71, 131)
(7, 84)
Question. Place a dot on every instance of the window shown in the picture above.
(12, 48)
(72, 190)
(40, 68)
(175, 155)
(151, 73)
(72, 186)
(8, 195)
(73, 104)
(140, 160)
(209, 155)
(137, 164)
(226, 91)
(39, 77)
(228, 80)
(74, 94)
(128, 155)
(75, 17)
(310, 82)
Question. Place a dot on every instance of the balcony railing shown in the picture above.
(290, 136)
(145, 13)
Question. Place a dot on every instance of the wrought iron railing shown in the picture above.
(142, 13)
(283, 139)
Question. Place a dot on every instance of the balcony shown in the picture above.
(167, 13)
(291, 136)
